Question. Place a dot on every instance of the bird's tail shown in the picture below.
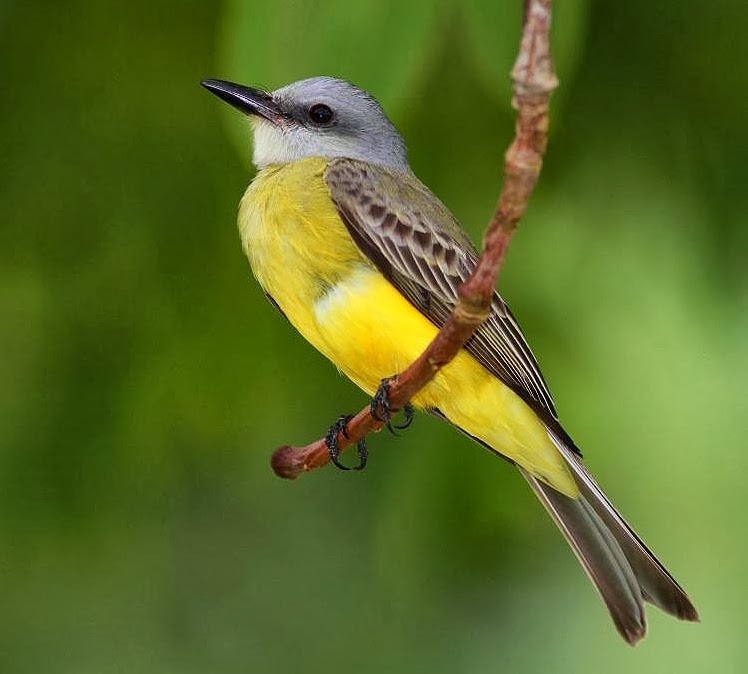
(621, 567)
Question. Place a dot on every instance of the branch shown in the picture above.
(533, 81)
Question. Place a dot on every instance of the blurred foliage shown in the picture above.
(145, 380)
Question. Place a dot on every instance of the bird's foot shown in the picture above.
(381, 410)
(333, 447)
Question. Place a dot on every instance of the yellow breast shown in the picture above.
(303, 256)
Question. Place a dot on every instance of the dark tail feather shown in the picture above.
(621, 567)
(600, 555)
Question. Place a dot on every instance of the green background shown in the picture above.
(145, 379)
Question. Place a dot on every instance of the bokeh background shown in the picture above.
(145, 379)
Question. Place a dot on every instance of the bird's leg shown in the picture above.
(331, 440)
(382, 411)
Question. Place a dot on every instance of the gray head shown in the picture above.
(318, 117)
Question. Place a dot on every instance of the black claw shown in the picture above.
(381, 410)
(380, 405)
(381, 401)
(409, 414)
(331, 440)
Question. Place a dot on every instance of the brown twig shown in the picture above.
(533, 81)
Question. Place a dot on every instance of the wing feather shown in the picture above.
(413, 239)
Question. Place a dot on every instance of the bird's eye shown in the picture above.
(321, 115)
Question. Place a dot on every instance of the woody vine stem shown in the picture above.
(533, 81)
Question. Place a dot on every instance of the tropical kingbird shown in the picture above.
(365, 262)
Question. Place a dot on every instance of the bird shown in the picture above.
(365, 262)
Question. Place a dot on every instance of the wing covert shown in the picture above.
(417, 244)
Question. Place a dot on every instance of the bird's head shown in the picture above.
(317, 117)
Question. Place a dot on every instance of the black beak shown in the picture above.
(249, 101)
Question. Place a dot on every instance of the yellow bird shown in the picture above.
(365, 261)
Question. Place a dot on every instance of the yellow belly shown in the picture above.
(302, 255)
